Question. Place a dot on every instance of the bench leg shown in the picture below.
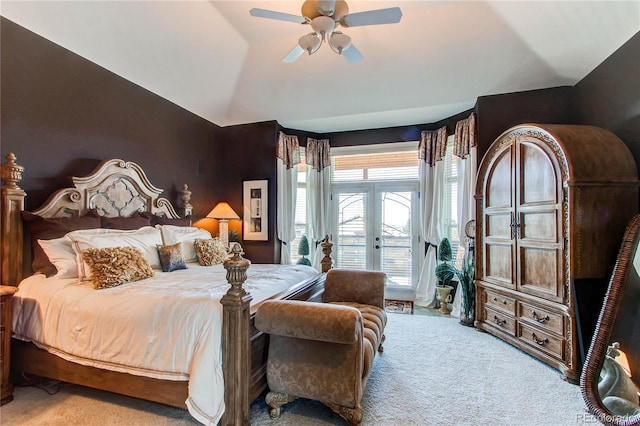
(352, 415)
(276, 400)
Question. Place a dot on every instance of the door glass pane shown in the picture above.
(396, 237)
(352, 231)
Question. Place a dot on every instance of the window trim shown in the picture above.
(375, 148)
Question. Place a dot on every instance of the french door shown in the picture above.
(376, 228)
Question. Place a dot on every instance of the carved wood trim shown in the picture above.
(236, 356)
(116, 188)
(12, 235)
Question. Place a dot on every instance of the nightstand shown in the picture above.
(6, 293)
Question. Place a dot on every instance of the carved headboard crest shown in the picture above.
(116, 188)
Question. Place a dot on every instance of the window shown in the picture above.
(301, 208)
(451, 197)
(375, 202)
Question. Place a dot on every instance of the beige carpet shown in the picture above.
(433, 372)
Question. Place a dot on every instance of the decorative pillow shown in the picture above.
(114, 266)
(161, 220)
(210, 251)
(171, 257)
(136, 221)
(145, 239)
(186, 235)
(61, 255)
(41, 228)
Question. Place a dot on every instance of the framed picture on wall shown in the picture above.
(256, 210)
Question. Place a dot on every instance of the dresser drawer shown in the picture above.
(545, 319)
(499, 320)
(500, 302)
(544, 341)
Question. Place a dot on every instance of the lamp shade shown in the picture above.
(339, 41)
(222, 210)
(310, 42)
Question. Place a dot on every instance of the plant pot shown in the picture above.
(469, 317)
(443, 295)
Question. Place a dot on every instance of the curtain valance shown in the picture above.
(433, 145)
(317, 153)
(465, 136)
(288, 150)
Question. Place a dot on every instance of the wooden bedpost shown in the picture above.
(186, 209)
(326, 261)
(12, 205)
(236, 342)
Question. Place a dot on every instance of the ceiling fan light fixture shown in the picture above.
(324, 16)
(339, 42)
(323, 25)
(310, 42)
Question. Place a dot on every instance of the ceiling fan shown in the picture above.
(325, 16)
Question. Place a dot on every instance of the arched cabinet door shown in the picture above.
(498, 215)
(550, 215)
(539, 232)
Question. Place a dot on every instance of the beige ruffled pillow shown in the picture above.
(210, 251)
(114, 266)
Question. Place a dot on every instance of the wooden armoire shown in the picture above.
(553, 202)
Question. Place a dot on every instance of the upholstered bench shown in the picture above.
(324, 351)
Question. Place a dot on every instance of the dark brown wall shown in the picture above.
(249, 153)
(62, 114)
(392, 134)
(609, 97)
(498, 113)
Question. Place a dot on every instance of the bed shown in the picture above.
(120, 190)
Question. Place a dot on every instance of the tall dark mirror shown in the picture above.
(610, 380)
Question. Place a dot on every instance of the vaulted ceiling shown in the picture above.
(215, 60)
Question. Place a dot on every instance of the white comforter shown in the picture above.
(166, 327)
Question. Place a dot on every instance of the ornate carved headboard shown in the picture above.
(116, 188)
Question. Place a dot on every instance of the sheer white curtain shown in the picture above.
(288, 156)
(318, 196)
(466, 153)
(431, 151)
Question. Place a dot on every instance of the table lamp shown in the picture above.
(223, 212)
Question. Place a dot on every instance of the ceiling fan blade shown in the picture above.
(280, 16)
(391, 15)
(352, 54)
(295, 53)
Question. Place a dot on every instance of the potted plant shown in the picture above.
(444, 273)
(303, 250)
(466, 277)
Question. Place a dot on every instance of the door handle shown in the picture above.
(377, 247)
(377, 238)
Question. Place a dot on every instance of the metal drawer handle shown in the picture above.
(495, 299)
(541, 342)
(499, 321)
(541, 320)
